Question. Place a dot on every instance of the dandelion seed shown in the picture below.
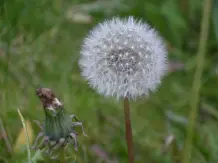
(136, 53)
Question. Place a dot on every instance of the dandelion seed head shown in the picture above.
(123, 58)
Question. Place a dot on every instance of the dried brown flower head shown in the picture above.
(48, 98)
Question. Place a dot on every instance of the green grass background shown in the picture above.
(39, 47)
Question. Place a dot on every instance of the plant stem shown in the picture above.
(197, 80)
(62, 156)
(129, 139)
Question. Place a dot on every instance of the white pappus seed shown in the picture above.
(135, 53)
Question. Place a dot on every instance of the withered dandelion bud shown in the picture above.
(58, 129)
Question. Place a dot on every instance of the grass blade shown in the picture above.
(27, 137)
(187, 151)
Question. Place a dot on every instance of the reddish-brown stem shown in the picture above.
(129, 139)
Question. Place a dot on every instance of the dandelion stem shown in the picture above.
(62, 156)
(197, 80)
(129, 138)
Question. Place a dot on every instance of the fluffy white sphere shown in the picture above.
(123, 58)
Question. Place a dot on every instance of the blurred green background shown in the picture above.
(39, 47)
